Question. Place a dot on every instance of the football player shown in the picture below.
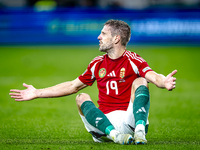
(122, 78)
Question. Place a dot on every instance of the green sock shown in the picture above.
(96, 117)
(141, 105)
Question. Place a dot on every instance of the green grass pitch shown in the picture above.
(55, 123)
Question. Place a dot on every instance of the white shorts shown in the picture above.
(123, 121)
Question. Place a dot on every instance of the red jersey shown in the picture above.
(114, 79)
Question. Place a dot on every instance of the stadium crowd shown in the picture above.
(127, 4)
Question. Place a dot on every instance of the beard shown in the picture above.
(106, 47)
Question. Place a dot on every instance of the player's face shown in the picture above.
(105, 39)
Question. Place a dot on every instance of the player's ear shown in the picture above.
(117, 39)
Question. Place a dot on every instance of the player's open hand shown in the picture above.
(170, 83)
(24, 95)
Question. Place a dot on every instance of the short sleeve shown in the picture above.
(88, 76)
(143, 69)
(142, 65)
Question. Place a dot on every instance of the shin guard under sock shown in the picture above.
(141, 105)
(96, 117)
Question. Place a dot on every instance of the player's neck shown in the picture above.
(116, 53)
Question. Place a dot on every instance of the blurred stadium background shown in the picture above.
(72, 21)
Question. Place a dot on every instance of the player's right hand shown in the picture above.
(24, 95)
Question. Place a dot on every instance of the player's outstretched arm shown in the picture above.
(59, 90)
(24, 95)
(161, 81)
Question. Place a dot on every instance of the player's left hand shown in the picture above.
(170, 83)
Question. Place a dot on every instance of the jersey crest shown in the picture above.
(122, 73)
(102, 72)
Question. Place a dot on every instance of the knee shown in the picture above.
(82, 97)
(138, 82)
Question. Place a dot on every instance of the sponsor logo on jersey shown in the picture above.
(102, 72)
(112, 74)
